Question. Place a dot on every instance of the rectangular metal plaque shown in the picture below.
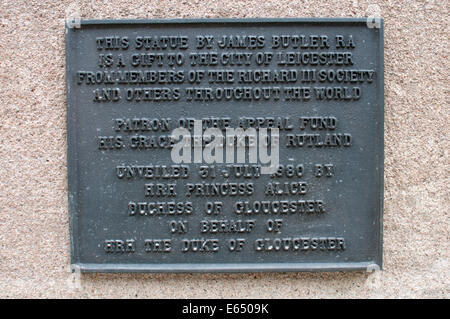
(225, 145)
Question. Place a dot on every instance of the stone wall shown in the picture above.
(34, 238)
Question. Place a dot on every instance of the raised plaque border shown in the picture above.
(72, 162)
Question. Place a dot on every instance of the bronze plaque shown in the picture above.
(225, 145)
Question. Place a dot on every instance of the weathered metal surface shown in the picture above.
(132, 208)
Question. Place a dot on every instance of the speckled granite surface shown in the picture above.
(34, 251)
